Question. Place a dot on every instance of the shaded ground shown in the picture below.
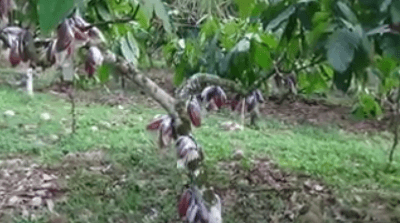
(267, 193)
(263, 193)
(322, 114)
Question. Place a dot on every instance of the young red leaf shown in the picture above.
(80, 35)
(14, 56)
(194, 112)
(155, 124)
(212, 106)
(65, 36)
(79, 22)
(184, 203)
(51, 52)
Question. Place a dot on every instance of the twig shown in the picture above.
(258, 82)
(395, 122)
(73, 114)
(243, 103)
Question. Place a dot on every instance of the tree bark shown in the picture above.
(147, 85)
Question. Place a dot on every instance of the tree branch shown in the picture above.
(147, 85)
(116, 21)
(395, 123)
(196, 83)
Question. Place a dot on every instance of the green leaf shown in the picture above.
(245, 7)
(327, 71)
(293, 48)
(270, 40)
(341, 47)
(306, 13)
(158, 7)
(103, 11)
(346, 12)
(261, 55)
(312, 82)
(51, 12)
(230, 28)
(258, 9)
(142, 19)
(129, 48)
(133, 44)
(395, 11)
(282, 17)
(367, 107)
(227, 43)
(210, 27)
(103, 72)
(179, 74)
(390, 45)
(343, 80)
(386, 66)
(320, 17)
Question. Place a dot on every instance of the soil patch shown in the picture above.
(266, 193)
(30, 190)
(319, 113)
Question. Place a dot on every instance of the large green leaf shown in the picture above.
(261, 55)
(236, 64)
(395, 11)
(390, 45)
(210, 27)
(51, 12)
(341, 48)
(346, 12)
(270, 40)
(103, 11)
(306, 13)
(245, 7)
(129, 48)
(103, 72)
(158, 7)
(342, 80)
(179, 75)
(142, 19)
(282, 17)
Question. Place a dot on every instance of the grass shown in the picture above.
(151, 180)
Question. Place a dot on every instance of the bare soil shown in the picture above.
(266, 193)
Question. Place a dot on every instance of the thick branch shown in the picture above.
(197, 82)
(148, 86)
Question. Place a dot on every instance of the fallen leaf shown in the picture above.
(50, 205)
(36, 201)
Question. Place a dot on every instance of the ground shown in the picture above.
(297, 167)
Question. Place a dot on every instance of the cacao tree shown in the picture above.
(306, 46)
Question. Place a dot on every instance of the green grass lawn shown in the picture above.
(152, 182)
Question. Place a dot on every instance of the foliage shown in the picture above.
(324, 43)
